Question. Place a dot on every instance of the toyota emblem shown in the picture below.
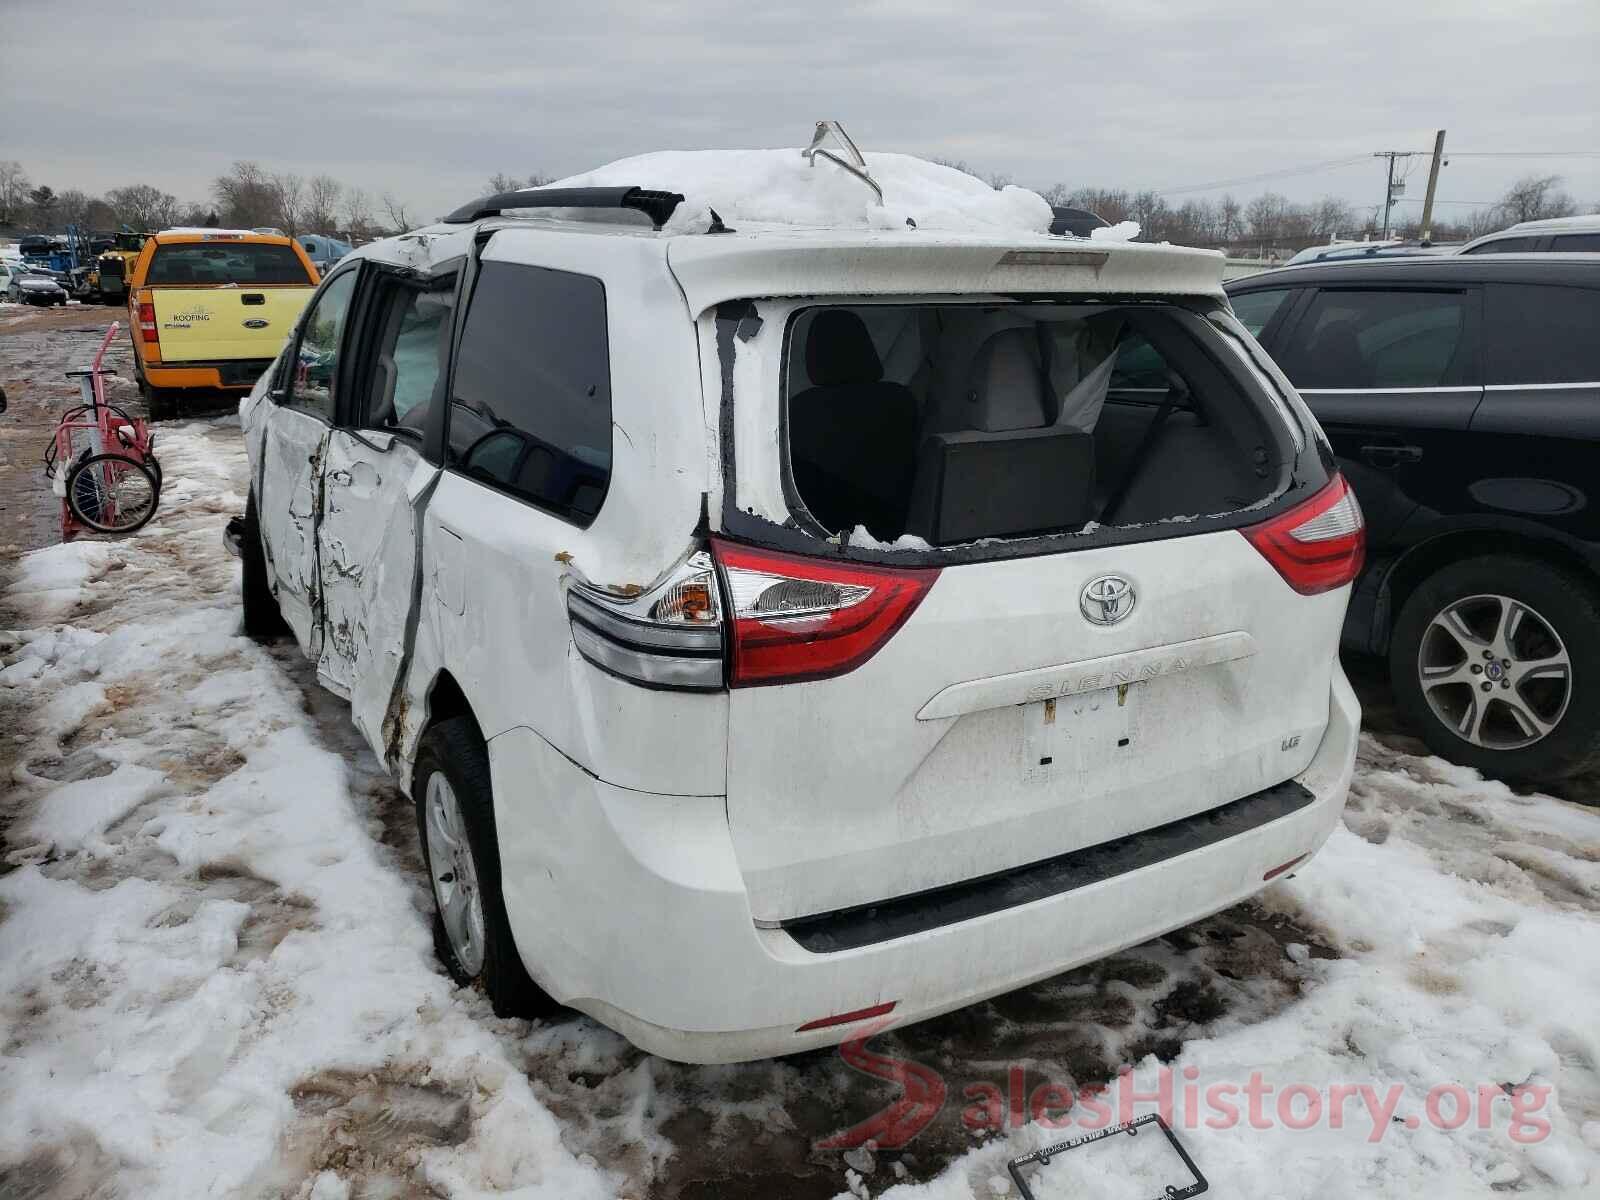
(1106, 600)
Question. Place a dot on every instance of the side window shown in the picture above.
(1587, 243)
(1542, 334)
(1512, 245)
(412, 348)
(531, 409)
(316, 356)
(1380, 340)
(1256, 309)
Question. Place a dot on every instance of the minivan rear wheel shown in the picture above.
(1494, 659)
(455, 823)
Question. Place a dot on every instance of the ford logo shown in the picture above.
(1106, 600)
(256, 323)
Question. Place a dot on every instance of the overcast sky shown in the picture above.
(428, 99)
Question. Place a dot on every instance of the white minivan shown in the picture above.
(789, 629)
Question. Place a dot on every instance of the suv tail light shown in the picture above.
(669, 637)
(793, 617)
(1317, 545)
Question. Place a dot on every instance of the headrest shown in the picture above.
(1005, 387)
(839, 350)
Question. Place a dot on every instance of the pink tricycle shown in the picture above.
(101, 461)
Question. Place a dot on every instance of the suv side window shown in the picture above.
(1582, 242)
(1542, 333)
(413, 343)
(530, 412)
(1512, 245)
(315, 374)
(1380, 340)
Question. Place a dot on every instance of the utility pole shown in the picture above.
(1388, 189)
(1433, 183)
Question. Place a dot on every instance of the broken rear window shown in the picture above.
(954, 423)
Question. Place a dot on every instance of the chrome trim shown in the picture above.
(1377, 391)
(642, 666)
(1541, 387)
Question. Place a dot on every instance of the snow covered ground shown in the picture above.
(216, 976)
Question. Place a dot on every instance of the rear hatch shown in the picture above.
(220, 300)
(1101, 591)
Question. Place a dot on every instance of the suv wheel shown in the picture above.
(263, 619)
(1497, 661)
(455, 820)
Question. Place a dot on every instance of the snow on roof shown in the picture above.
(199, 229)
(780, 187)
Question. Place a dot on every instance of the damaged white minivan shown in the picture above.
(785, 630)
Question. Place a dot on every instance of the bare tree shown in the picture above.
(322, 203)
(145, 208)
(42, 202)
(539, 179)
(399, 219)
(72, 208)
(290, 189)
(247, 196)
(1534, 198)
(501, 182)
(14, 187)
(1332, 217)
(358, 213)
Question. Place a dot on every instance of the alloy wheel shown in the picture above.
(1495, 671)
(455, 877)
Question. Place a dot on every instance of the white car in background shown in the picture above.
(1557, 235)
(785, 629)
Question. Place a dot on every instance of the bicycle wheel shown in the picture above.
(112, 494)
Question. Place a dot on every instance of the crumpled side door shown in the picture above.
(293, 446)
(374, 484)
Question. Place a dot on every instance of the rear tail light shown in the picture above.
(147, 322)
(669, 637)
(792, 617)
(1317, 545)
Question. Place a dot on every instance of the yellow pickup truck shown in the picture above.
(209, 309)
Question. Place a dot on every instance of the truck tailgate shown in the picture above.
(216, 323)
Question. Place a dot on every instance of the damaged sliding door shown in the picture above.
(376, 483)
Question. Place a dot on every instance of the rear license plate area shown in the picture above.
(1079, 733)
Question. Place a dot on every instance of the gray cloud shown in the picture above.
(427, 100)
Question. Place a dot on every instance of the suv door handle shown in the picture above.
(1390, 456)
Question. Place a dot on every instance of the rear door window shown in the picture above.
(1255, 310)
(1542, 334)
(530, 412)
(1381, 340)
(413, 343)
(1576, 242)
(223, 262)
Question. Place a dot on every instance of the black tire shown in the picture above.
(90, 507)
(455, 749)
(263, 619)
(1559, 603)
(160, 403)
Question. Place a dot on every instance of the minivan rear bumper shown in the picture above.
(630, 907)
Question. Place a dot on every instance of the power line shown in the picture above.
(1308, 169)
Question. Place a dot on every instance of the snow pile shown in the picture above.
(781, 187)
(213, 979)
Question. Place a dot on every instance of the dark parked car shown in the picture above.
(1462, 397)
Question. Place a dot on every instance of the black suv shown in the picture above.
(1462, 396)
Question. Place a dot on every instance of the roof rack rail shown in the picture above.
(658, 206)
